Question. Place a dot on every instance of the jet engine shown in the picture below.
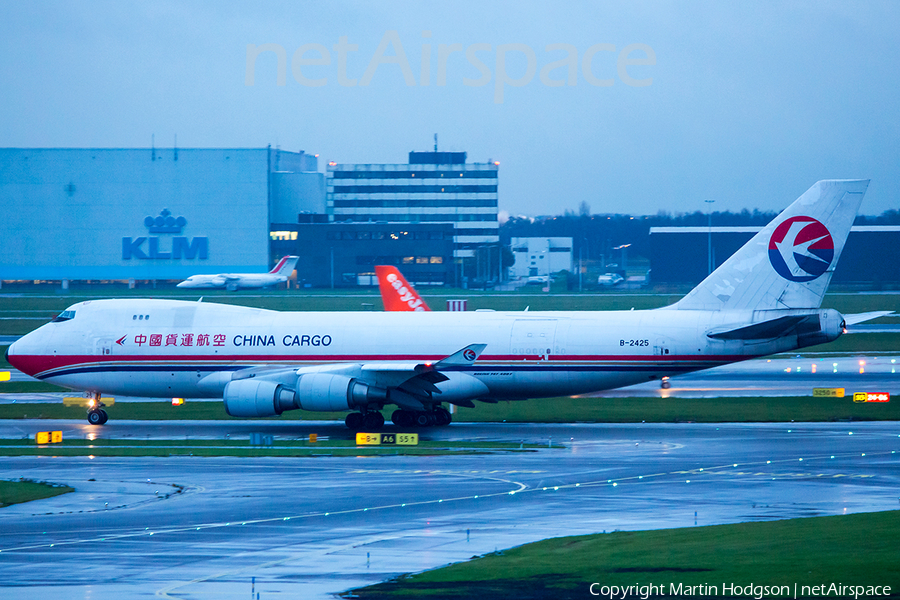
(327, 392)
(314, 391)
(257, 398)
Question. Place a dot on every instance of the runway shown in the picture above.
(794, 375)
(311, 527)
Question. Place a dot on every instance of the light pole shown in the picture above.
(709, 257)
(624, 249)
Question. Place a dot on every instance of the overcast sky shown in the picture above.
(747, 104)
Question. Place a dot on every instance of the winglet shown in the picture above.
(464, 357)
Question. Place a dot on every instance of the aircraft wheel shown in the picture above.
(354, 421)
(401, 418)
(105, 417)
(373, 420)
(666, 384)
(422, 419)
(442, 416)
(95, 417)
(407, 419)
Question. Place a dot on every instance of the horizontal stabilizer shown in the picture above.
(767, 330)
(867, 316)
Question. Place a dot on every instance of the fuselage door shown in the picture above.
(532, 339)
(661, 347)
(103, 346)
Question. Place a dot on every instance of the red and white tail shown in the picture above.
(285, 266)
(396, 293)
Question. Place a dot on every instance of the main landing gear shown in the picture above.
(373, 421)
(370, 420)
(96, 415)
(440, 416)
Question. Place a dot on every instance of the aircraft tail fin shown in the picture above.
(397, 293)
(285, 266)
(790, 262)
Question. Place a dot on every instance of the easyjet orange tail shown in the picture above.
(396, 293)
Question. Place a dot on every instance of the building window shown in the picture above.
(283, 235)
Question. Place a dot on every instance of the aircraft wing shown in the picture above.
(410, 382)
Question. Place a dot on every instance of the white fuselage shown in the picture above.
(232, 281)
(167, 348)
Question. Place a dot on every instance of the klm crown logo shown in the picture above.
(165, 223)
(157, 248)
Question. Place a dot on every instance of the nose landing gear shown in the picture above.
(96, 415)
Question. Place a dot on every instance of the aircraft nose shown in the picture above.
(10, 355)
(16, 355)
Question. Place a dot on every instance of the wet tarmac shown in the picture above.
(285, 527)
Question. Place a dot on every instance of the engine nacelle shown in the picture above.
(329, 392)
(257, 398)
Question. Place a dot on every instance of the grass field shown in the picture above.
(283, 448)
(858, 550)
(14, 492)
(549, 410)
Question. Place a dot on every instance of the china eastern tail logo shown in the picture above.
(469, 355)
(801, 249)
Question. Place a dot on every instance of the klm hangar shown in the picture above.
(141, 216)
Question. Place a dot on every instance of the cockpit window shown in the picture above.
(66, 315)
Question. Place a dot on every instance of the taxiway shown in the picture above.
(213, 527)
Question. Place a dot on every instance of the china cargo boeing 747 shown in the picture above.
(764, 299)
